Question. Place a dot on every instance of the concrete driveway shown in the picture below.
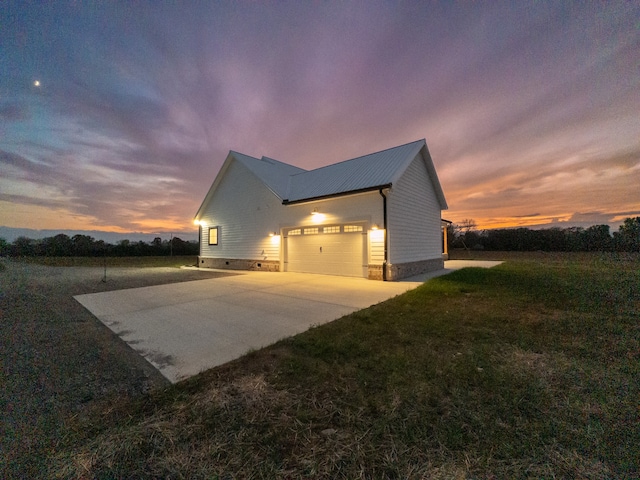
(184, 328)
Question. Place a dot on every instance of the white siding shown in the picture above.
(363, 207)
(376, 247)
(413, 217)
(242, 208)
(245, 211)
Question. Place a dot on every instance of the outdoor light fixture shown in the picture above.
(374, 226)
(317, 217)
(314, 211)
(272, 234)
(196, 222)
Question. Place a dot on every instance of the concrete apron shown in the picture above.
(185, 328)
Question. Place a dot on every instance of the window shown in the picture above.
(352, 228)
(334, 229)
(213, 236)
(311, 231)
(295, 231)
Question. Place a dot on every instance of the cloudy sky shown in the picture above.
(118, 115)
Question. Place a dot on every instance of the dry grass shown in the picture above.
(58, 361)
(140, 262)
(527, 370)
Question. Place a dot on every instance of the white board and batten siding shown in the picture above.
(414, 216)
(245, 211)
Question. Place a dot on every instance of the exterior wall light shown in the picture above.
(314, 211)
(374, 226)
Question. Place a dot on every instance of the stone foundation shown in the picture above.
(399, 271)
(374, 272)
(239, 264)
(395, 272)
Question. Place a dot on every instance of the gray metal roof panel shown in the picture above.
(374, 169)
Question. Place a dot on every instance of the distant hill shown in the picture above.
(10, 234)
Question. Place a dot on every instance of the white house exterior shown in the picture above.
(375, 216)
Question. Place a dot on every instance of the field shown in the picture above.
(56, 359)
(527, 370)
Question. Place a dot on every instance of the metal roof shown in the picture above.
(273, 173)
(359, 174)
(295, 185)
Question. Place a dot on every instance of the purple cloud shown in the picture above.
(139, 103)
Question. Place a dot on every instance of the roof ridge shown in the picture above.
(361, 156)
(243, 154)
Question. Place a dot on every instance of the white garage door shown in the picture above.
(333, 250)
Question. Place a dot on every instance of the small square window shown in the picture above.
(213, 236)
(311, 231)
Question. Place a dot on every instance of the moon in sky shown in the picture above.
(36, 83)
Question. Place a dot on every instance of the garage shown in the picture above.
(328, 250)
(376, 216)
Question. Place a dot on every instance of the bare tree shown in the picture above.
(464, 229)
(467, 225)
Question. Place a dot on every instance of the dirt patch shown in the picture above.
(58, 360)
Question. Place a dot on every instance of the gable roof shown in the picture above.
(274, 174)
(369, 172)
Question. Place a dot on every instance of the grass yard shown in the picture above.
(140, 262)
(527, 370)
(57, 361)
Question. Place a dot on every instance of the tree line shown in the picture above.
(596, 238)
(62, 245)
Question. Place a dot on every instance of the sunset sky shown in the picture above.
(118, 115)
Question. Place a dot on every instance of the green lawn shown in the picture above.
(527, 370)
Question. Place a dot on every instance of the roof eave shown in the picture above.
(433, 175)
(334, 195)
(214, 185)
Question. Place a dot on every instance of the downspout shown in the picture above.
(384, 217)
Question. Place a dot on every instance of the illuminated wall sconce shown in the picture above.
(272, 234)
(314, 211)
(197, 222)
(374, 226)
